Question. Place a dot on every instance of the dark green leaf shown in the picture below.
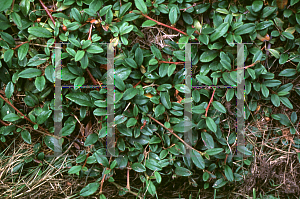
(197, 159)
(51, 142)
(214, 151)
(219, 32)
(244, 150)
(74, 169)
(173, 15)
(91, 139)
(211, 124)
(159, 110)
(219, 183)
(165, 99)
(80, 98)
(30, 73)
(5, 4)
(219, 106)
(49, 73)
(275, 100)
(245, 29)
(40, 83)
(181, 171)
(286, 102)
(183, 126)
(9, 90)
(17, 19)
(171, 69)
(26, 136)
(140, 4)
(156, 52)
(79, 55)
(288, 72)
(40, 32)
(257, 5)
(131, 62)
(209, 55)
(138, 167)
(43, 116)
(90, 189)
(25, 6)
(129, 93)
(288, 35)
(11, 117)
(8, 55)
(22, 51)
(131, 122)
(272, 83)
(67, 130)
(229, 173)
(79, 81)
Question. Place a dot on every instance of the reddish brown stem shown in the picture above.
(246, 66)
(90, 32)
(162, 24)
(169, 62)
(196, 31)
(12, 5)
(137, 84)
(171, 131)
(102, 181)
(3, 123)
(10, 104)
(20, 45)
(47, 11)
(184, 9)
(210, 101)
(85, 160)
(92, 78)
(128, 183)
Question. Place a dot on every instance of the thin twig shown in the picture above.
(169, 62)
(102, 181)
(12, 5)
(92, 78)
(162, 24)
(47, 11)
(8, 102)
(20, 45)
(184, 9)
(247, 66)
(210, 101)
(90, 32)
(41, 132)
(171, 131)
(120, 187)
(128, 183)
(137, 84)
(3, 123)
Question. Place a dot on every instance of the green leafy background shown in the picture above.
(149, 40)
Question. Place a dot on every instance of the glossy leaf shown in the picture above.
(40, 32)
(211, 124)
(80, 98)
(9, 90)
(181, 171)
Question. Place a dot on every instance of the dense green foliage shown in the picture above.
(146, 85)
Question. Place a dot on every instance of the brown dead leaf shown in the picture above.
(281, 3)
(88, 129)
(179, 99)
(76, 145)
(287, 135)
(261, 38)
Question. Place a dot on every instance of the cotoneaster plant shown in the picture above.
(149, 84)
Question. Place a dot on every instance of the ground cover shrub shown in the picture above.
(149, 77)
